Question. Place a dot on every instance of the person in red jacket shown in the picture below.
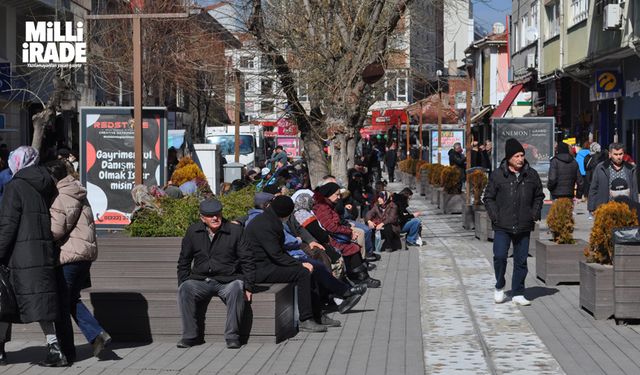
(342, 237)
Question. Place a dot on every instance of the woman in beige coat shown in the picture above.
(74, 232)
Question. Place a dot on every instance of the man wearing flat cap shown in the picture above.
(212, 263)
(513, 198)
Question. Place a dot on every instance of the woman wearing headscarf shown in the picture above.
(383, 216)
(27, 248)
(342, 236)
(143, 201)
(74, 231)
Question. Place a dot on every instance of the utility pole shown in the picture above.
(420, 133)
(137, 17)
(468, 131)
(439, 73)
(236, 158)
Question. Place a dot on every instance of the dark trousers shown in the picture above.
(391, 170)
(327, 283)
(391, 238)
(76, 275)
(352, 262)
(501, 242)
(308, 301)
(194, 297)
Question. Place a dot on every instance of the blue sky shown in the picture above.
(486, 12)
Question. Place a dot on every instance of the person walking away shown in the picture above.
(513, 199)
(458, 160)
(213, 263)
(608, 171)
(595, 157)
(580, 156)
(564, 174)
(390, 160)
(74, 231)
(27, 248)
(485, 155)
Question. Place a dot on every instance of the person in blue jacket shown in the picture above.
(583, 172)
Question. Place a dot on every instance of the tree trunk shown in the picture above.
(351, 152)
(39, 120)
(339, 157)
(316, 161)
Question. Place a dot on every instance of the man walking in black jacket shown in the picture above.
(513, 199)
(390, 160)
(212, 263)
(564, 174)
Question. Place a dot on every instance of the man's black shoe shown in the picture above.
(102, 341)
(54, 357)
(184, 343)
(373, 257)
(3, 358)
(371, 266)
(326, 321)
(372, 283)
(349, 303)
(357, 289)
(233, 344)
(310, 325)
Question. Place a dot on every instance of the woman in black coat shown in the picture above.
(564, 174)
(27, 248)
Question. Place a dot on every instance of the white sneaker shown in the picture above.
(520, 300)
(499, 296)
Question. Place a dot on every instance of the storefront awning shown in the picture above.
(480, 115)
(504, 106)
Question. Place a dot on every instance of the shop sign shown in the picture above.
(632, 87)
(608, 81)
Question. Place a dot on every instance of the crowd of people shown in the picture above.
(326, 241)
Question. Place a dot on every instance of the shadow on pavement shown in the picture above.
(539, 291)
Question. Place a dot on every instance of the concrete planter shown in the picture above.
(439, 197)
(483, 229)
(451, 203)
(468, 216)
(596, 289)
(434, 195)
(626, 281)
(424, 182)
(411, 181)
(559, 263)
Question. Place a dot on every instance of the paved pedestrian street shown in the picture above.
(434, 314)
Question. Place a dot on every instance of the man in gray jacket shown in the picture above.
(608, 171)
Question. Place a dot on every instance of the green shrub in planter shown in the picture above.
(560, 221)
(172, 220)
(176, 215)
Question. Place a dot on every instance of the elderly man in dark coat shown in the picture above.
(513, 198)
(26, 246)
(212, 263)
(264, 235)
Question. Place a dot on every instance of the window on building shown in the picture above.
(523, 31)
(247, 86)
(246, 62)
(533, 21)
(266, 106)
(401, 87)
(553, 24)
(303, 92)
(578, 11)
(516, 37)
(266, 87)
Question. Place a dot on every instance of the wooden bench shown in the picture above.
(134, 297)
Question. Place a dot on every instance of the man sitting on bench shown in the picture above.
(212, 263)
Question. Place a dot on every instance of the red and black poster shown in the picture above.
(107, 159)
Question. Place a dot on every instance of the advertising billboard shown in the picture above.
(107, 164)
(536, 136)
(449, 138)
(291, 145)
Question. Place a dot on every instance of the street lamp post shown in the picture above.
(439, 73)
(469, 66)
